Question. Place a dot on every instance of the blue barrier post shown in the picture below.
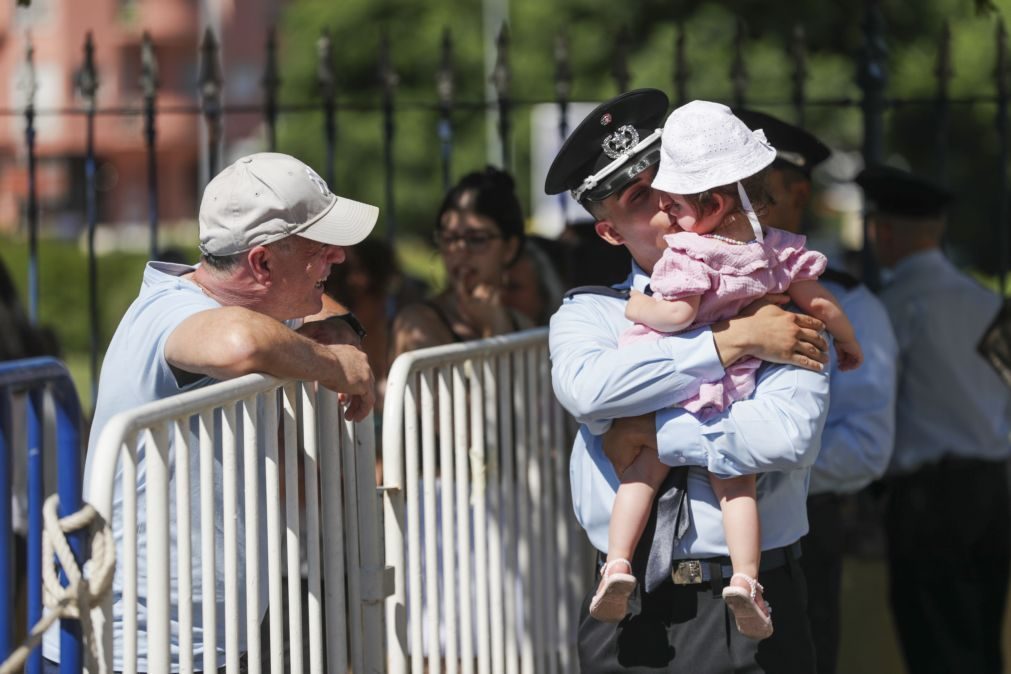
(40, 380)
(36, 410)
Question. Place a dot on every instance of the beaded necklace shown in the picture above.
(727, 239)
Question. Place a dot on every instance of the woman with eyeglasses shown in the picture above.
(479, 233)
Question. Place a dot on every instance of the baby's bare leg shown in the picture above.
(633, 502)
(741, 524)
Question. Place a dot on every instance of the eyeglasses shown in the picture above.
(474, 241)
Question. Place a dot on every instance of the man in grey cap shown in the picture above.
(678, 621)
(270, 230)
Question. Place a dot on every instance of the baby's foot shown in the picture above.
(751, 612)
(738, 580)
(610, 603)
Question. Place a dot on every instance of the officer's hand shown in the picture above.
(627, 438)
(766, 331)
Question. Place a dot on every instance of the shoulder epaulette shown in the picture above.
(606, 291)
(846, 280)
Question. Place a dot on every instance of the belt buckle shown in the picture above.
(687, 572)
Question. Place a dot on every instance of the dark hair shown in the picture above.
(374, 257)
(490, 193)
(754, 187)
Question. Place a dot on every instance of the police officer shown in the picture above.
(946, 518)
(622, 397)
(857, 442)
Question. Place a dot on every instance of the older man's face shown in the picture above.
(299, 269)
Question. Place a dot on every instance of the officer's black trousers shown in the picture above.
(948, 554)
(822, 564)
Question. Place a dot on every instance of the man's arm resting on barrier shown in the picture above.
(233, 341)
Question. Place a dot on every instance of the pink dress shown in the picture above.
(728, 277)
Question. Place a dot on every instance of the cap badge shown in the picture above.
(605, 119)
(621, 142)
(318, 182)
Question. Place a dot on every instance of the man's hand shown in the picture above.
(627, 438)
(352, 378)
(766, 331)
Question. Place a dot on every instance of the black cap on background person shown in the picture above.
(611, 146)
(893, 191)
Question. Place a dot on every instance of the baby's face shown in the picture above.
(685, 216)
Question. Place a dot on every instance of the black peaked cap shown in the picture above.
(795, 147)
(892, 190)
(582, 154)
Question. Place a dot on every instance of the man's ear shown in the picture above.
(800, 194)
(259, 261)
(607, 232)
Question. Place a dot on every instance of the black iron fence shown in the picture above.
(871, 78)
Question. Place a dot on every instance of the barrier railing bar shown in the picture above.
(479, 482)
(229, 511)
(292, 525)
(272, 487)
(505, 420)
(497, 505)
(449, 567)
(431, 543)
(411, 495)
(463, 514)
(207, 549)
(250, 468)
(181, 432)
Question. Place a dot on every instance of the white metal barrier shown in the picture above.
(253, 440)
(475, 466)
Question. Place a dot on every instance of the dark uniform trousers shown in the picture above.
(948, 532)
(822, 562)
(689, 629)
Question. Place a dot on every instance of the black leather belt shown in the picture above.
(696, 571)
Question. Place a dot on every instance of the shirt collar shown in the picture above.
(638, 279)
(922, 260)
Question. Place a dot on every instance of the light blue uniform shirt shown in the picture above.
(950, 401)
(860, 430)
(776, 432)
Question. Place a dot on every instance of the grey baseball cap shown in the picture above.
(268, 196)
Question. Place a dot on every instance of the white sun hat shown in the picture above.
(268, 196)
(705, 146)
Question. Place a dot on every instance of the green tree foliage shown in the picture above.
(833, 39)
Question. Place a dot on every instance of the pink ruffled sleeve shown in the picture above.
(678, 275)
(799, 263)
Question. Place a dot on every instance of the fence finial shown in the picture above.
(501, 79)
(210, 72)
(563, 69)
(87, 76)
(388, 80)
(326, 77)
(619, 69)
(798, 53)
(681, 69)
(30, 82)
(444, 79)
(502, 75)
(738, 67)
(210, 83)
(148, 67)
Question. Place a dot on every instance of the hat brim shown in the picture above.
(680, 182)
(345, 223)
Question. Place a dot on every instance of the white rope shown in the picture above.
(81, 593)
